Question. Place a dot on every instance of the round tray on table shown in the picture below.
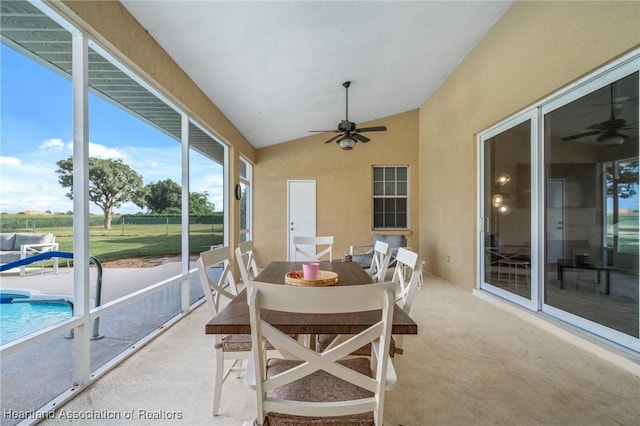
(325, 278)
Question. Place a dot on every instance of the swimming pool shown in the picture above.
(18, 319)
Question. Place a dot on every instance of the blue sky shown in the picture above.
(36, 132)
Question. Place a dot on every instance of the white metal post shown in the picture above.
(186, 283)
(81, 359)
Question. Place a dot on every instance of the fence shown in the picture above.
(164, 224)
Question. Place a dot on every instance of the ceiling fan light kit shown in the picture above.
(612, 140)
(349, 132)
(347, 143)
(607, 131)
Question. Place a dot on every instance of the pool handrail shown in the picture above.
(66, 255)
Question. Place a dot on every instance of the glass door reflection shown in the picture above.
(591, 213)
(507, 210)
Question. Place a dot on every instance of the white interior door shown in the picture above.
(301, 195)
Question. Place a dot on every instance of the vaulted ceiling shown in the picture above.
(276, 69)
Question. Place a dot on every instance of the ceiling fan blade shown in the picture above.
(324, 131)
(599, 126)
(630, 126)
(611, 123)
(334, 138)
(372, 129)
(581, 135)
(361, 138)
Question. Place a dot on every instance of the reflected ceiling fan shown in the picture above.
(607, 131)
(349, 133)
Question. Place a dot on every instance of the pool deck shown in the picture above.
(116, 282)
(32, 377)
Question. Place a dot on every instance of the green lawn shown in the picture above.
(122, 242)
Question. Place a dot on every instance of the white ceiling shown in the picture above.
(276, 69)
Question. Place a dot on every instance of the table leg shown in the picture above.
(560, 277)
(607, 275)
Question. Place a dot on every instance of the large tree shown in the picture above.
(111, 183)
(199, 203)
(163, 195)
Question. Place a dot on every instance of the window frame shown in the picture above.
(246, 181)
(395, 196)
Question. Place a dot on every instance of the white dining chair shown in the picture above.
(407, 276)
(306, 248)
(246, 261)
(380, 261)
(378, 271)
(216, 278)
(320, 388)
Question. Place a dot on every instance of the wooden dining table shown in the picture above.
(234, 317)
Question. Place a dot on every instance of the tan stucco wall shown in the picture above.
(534, 50)
(343, 185)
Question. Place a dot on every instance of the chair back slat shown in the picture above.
(407, 275)
(307, 247)
(380, 261)
(406, 267)
(246, 261)
(216, 261)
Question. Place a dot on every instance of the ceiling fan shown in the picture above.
(607, 131)
(349, 133)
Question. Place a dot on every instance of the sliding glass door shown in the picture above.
(591, 214)
(507, 210)
(559, 206)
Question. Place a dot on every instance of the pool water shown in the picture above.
(20, 319)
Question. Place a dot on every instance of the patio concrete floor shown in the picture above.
(472, 363)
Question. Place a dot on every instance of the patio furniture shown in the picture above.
(363, 253)
(227, 346)
(380, 261)
(306, 248)
(510, 260)
(378, 271)
(234, 317)
(407, 266)
(514, 265)
(314, 388)
(18, 246)
(599, 267)
(246, 261)
(407, 276)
